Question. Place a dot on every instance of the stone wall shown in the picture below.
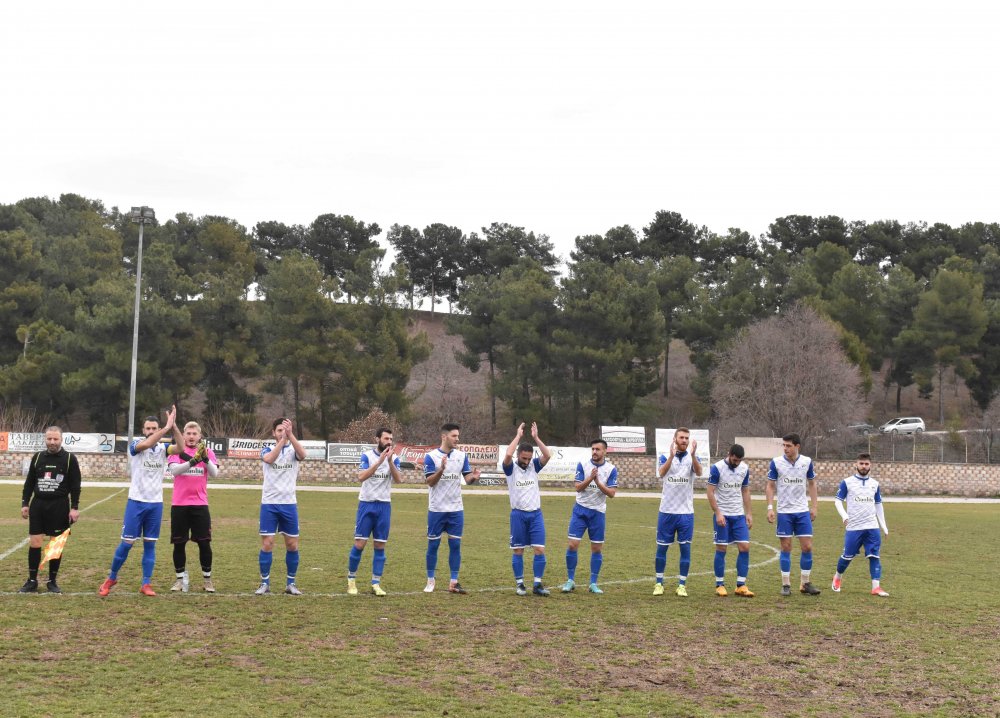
(635, 471)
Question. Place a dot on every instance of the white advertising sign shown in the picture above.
(625, 439)
(665, 437)
(88, 443)
(25, 442)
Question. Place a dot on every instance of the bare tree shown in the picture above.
(787, 373)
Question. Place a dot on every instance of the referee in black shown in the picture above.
(51, 502)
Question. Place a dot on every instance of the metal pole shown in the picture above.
(135, 341)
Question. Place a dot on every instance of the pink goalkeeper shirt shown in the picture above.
(190, 489)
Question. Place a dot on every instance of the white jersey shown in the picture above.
(377, 486)
(446, 495)
(592, 497)
(861, 495)
(147, 469)
(280, 477)
(678, 484)
(791, 482)
(729, 483)
(522, 484)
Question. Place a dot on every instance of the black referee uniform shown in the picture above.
(51, 489)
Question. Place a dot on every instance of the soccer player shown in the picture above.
(791, 476)
(596, 482)
(527, 527)
(729, 496)
(679, 468)
(377, 470)
(279, 512)
(144, 509)
(50, 501)
(446, 469)
(863, 515)
(189, 515)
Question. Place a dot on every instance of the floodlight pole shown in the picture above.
(141, 216)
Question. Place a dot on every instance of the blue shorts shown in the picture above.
(373, 520)
(279, 518)
(871, 539)
(445, 522)
(527, 528)
(589, 520)
(142, 519)
(669, 525)
(797, 524)
(735, 531)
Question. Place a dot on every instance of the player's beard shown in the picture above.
(864, 473)
(382, 447)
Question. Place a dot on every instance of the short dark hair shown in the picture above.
(737, 451)
(151, 418)
(525, 447)
(794, 438)
(599, 441)
(277, 422)
(382, 430)
(680, 429)
(445, 428)
(864, 457)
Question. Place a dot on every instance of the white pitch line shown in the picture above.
(8, 552)
(491, 589)
(417, 489)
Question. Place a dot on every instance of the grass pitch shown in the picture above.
(933, 648)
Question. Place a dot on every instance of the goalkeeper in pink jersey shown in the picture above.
(189, 516)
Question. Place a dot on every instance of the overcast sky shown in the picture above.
(567, 118)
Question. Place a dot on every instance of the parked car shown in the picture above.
(862, 427)
(903, 425)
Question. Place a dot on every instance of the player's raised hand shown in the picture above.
(171, 417)
(287, 426)
(594, 475)
(693, 446)
(474, 476)
(534, 430)
(520, 430)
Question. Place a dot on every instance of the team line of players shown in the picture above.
(791, 482)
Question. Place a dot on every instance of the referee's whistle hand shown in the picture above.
(24, 512)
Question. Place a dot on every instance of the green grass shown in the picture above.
(933, 648)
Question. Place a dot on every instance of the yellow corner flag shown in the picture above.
(55, 547)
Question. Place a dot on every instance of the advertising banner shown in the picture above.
(17, 441)
(315, 449)
(665, 437)
(245, 448)
(562, 465)
(346, 453)
(481, 454)
(625, 439)
(89, 443)
(121, 443)
(3, 441)
(411, 453)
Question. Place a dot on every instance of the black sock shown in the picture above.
(54, 567)
(180, 558)
(205, 556)
(34, 559)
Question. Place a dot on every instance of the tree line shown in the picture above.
(576, 343)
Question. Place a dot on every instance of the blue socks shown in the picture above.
(596, 559)
(432, 556)
(661, 562)
(121, 553)
(720, 567)
(292, 564)
(806, 561)
(265, 558)
(685, 562)
(538, 566)
(875, 568)
(842, 564)
(571, 558)
(454, 556)
(517, 563)
(148, 560)
(353, 560)
(378, 564)
(785, 561)
(742, 567)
